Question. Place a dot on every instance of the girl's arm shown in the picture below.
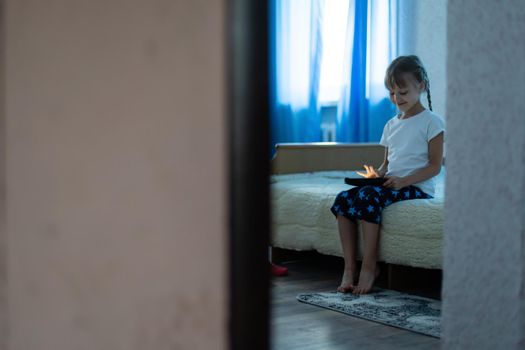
(381, 171)
(435, 159)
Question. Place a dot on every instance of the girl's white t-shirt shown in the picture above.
(407, 142)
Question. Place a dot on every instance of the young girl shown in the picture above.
(414, 151)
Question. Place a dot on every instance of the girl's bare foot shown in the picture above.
(348, 281)
(367, 278)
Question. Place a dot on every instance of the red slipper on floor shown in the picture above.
(279, 270)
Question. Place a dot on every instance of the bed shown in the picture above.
(307, 177)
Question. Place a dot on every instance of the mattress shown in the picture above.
(411, 231)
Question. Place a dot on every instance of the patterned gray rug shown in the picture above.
(410, 312)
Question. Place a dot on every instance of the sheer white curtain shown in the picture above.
(296, 51)
(294, 45)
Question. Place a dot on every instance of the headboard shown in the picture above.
(318, 156)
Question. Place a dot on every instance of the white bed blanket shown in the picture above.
(411, 231)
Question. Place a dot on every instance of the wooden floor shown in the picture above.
(295, 325)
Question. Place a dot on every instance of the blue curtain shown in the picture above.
(295, 58)
(364, 107)
(295, 62)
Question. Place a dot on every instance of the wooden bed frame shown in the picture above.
(324, 156)
(319, 156)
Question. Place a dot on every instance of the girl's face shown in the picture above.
(407, 96)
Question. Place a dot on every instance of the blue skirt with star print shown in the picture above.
(367, 202)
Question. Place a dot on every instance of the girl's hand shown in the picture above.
(395, 182)
(370, 172)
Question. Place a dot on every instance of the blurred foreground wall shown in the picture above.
(484, 253)
(114, 159)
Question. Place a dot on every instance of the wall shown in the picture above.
(484, 255)
(422, 29)
(3, 207)
(116, 185)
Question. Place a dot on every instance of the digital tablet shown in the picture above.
(362, 181)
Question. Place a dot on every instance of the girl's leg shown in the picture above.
(348, 235)
(369, 270)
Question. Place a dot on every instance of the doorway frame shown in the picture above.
(247, 59)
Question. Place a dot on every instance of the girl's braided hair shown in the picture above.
(407, 64)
